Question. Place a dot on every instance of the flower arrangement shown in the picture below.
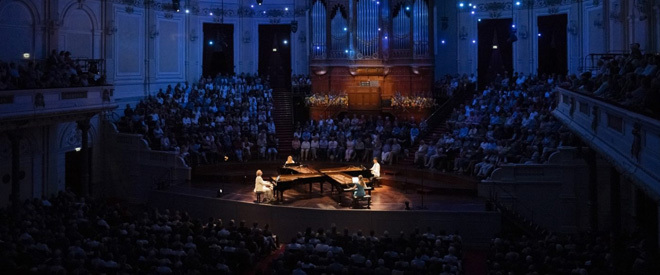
(327, 100)
(418, 102)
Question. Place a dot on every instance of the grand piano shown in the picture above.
(340, 178)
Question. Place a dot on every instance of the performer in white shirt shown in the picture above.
(375, 170)
(260, 185)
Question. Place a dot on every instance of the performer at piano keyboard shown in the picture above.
(375, 171)
(359, 187)
(289, 160)
(260, 185)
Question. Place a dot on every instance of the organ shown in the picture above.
(369, 50)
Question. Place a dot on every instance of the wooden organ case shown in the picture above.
(369, 50)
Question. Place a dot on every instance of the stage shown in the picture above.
(437, 200)
(423, 189)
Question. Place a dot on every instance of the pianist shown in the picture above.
(359, 187)
(289, 161)
(260, 185)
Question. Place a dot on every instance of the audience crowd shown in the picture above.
(59, 70)
(571, 254)
(69, 234)
(355, 138)
(301, 83)
(216, 119)
(510, 122)
(632, 81)
(335, 252)
(447, 85)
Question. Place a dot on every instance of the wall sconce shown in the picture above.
(572, 29)
(193, 35)
(154, 32)
(111, 28)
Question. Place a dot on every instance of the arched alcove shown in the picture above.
(17, 24)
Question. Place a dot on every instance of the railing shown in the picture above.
(627, 139)
(22, 103)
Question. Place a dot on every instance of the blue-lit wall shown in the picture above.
(147, 46)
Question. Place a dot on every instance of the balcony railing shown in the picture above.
(630, 140)
(25, 104)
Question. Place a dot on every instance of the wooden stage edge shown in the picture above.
(476, 227)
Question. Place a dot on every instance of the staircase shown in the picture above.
(283, 117)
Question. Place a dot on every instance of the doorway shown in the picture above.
(495, 50)
(72, 172)
(218, 54)
(552, 44)
(275, 54)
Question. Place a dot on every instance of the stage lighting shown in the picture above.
(259, 2)
(219, 193)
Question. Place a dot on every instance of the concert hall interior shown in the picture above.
(330, 136)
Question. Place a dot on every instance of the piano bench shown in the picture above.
(356, 201)
(258, 193)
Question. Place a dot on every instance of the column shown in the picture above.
(615, 203)
(657, 222)
(15, 196)
(593, 189)
(615, 200)
(83, 125)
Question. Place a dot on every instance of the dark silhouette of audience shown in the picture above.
(59, 70)
(80, 235)
(335, 252)
(571, 254)
(632, 81)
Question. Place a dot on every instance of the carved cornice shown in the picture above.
(498, 7)
(228, 10)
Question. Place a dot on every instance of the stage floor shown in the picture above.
(237, 184)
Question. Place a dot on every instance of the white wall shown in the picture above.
(593, 27)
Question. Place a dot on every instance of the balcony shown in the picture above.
(630, 141)
(29, 108)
